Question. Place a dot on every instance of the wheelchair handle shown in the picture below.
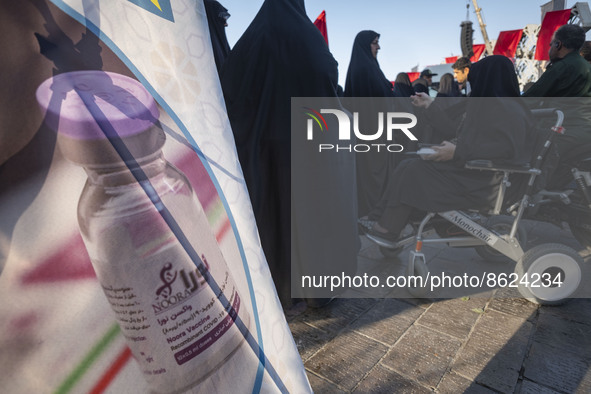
(549, 113)
(543, 112)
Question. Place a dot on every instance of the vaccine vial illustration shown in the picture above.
(181, 318)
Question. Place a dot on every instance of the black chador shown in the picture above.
(283, 55)
(366, 79)
(217, 15)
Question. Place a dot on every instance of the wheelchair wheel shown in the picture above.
(549, 274)
(502, 225)
(390, 253)
(417, 267)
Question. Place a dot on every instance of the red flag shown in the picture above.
(552, 21)
(413, 76)
(478, 49)
(320, 23)
(507, 43)
(451, 59)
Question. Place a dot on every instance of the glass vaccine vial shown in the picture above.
(179, 327)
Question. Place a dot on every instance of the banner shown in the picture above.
(59, 325)
(552, 21)
(478, 51)
(507, 43)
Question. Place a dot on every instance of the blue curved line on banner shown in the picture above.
(263, 361)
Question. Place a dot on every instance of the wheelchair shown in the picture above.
(498, 237)
(570, 202)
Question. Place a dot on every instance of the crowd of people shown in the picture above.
(282, 55)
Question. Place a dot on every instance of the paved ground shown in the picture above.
(481, 343)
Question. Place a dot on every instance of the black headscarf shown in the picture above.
(493, 76)
(402, 86)
(283, 55)
(487, 131)
(278, 56)
(448, 87)
(216, 19)
(364, 76)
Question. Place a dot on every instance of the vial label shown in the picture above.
(176, 325)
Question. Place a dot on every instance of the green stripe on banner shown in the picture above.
(87, 362)
(216, 212)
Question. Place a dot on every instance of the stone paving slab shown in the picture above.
(454, 317)
(347, 359)
(468, 262)
(387, 320)
(529, 387)
(422, 354)
(371, 251)
(564, 335)
(424, 303)
(453, 383)
(463, 264)
(509, 301)
(338, 314)
(577, 310)
(381, 266)
(385, 381)
(308, 339)
(367, 293)
(561, 371)
(320, 385)
(495, 351)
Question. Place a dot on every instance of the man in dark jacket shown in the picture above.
(422, 84)
(568, 75)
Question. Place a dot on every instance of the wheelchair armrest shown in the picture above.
(489, 165)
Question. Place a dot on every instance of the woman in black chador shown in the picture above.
(364, 76)
(366, 79)
(496, 129)
(308, 215)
